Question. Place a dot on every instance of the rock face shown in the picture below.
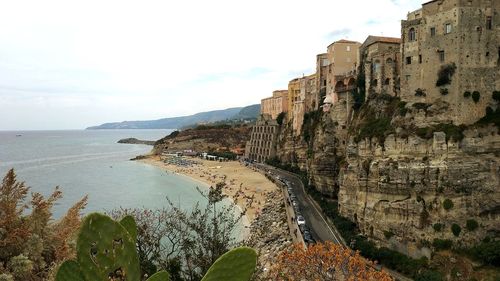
(392, 167)
(395, 183)
(269, 233)
(205, 138)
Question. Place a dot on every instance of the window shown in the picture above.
(389, 61)
(348, 48)
(447, 28)
(412, 35)
(408, 60)
(433, 31)
(489, 23)
(441, 56)
(387, 81)
(419, 58)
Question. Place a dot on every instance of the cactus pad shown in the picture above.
(129, 223)
(159, 276)
(69, 271)
(235, 265)
(106, 250)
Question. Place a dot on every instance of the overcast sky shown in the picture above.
(72, 64)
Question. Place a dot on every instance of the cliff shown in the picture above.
(402, 172)
(205, 139)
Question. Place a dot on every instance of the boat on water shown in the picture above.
(19, 135)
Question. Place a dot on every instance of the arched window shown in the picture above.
(412, 35)
(389, 61)
(374, 82)
(387, 81)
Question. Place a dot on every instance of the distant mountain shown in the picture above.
(248, 112)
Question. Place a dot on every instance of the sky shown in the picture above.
(73, 64)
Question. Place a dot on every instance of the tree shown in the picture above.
(324, 261)
(184, 243)
(32, 244)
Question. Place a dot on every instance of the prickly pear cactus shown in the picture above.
(235, 265)
(159, 276)
(106, 250)
(69, 271)
(129, 223)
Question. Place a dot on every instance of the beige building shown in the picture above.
(301, 100)
(322, 64)
(262, 143)
(342, 56)
(451, 49)
(293, 95)
(381, 58)
(276, 104)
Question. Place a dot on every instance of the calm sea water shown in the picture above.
(91, 162)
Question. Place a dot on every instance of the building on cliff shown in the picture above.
(302, 93)
(380, 58)
(343, 58)
(276, 104)
(450, 50)
(262, 143)
(320, 78)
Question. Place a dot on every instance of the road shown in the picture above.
(320, 229)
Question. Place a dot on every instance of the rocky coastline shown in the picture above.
(136, 141)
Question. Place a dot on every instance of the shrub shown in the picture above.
(388, 234)
(496, 95)
(445, 74)
(442, 244)
(467, 94)
(429, 275)
(375, 128)
(438, 227)
(456, 229)
(421, 105)
(476, 96)
(443, 91)
(487, 252)
(402, 108)
(471, 225)
(280, 117)
(447, 204)
(452, 132)
(420, 92)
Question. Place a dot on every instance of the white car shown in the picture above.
(300, 220)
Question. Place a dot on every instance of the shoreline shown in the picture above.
(245, 188)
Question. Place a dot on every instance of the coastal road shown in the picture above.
(320, 229)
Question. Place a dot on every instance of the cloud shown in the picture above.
(72, 64)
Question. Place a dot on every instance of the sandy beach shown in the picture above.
(247, 188)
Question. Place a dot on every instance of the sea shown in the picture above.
(91, 162)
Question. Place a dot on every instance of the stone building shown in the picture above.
(262, 143)
(321, 71)
(451, 49)
(381, 58)
(276, 104)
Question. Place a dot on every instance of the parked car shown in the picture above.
(300, 220)
(303, 228)
(296, 208)
(293, 197)
(308, 238)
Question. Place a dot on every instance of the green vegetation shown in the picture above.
(280, 118)
(496, 96)
(421, 106)
(388, 234)
(487, 252)
(452, 132)
(442, 244)
(420, 93)
(476, 96)
(359, 94)
(402, 108)
(471, 225)
(447, 204)
(429, 275)
(467, 94)
(311, 121)
(224, 154)
(456, 229)
(378, 128)
(438, 227)
(106, 250)
(445, 74)
(491, 116)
